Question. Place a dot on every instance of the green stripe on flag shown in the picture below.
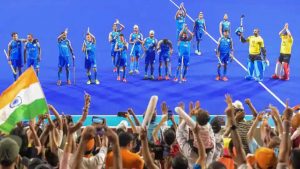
(24, 112)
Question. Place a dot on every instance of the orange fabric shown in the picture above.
(296, 121)
(227, 161)
(23, 82)
(129, 160)
(265, 158)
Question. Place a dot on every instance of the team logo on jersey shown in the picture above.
(16, 102)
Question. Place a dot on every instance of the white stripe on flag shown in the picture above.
(24, 97)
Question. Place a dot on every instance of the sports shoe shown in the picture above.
(159, 78)
(131, 72)
(69, 82)
(115, 69)
(284, 77)
(122, 70)
(218, 78)
(152, 77)
(184, 79)
(196, 52)
(97, 81)
(167, 78)
(58, 83)
(88, 82)
(145, 77)
(124, 80)
(248, 77)
(225, 78)
(175, 79)
(274, 76)
(137, 71)
(118, 78)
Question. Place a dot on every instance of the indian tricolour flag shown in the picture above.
(23, 100)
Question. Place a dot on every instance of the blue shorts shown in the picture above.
(64, 61)
(113, 53)
(198, 35)
(33, 62)
(122, 61)
(150, 57)
(136, 51)
(16, 63)
(165, 58)
(90, 63)
(224, 57)
(186, 61)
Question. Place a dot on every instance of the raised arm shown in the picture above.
(220, 29)
(133, 127)
(122, 27)
(252, 108)
(36, 140)
(87, 134)
(157, 128)
(237, 142)
(201, 149)
(149, 162)
(285, 144)
(276, 117)
(57, 116)
(113, 138)
(251, 131)
(136, 120)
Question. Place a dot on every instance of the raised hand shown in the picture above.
(164, 108)
(288, 112)
(228, 100)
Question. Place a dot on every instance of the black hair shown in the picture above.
(216, 165)
(216, 123)
(202, 117)
(51, 158)
(180, 162)
(125, 138)
(121, 34)
(13, 33)
(295, 156)
(169, 136)
(6, 163)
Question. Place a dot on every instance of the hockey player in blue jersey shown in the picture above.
(184, 51)
(32, 53)
(15, 54)
(89, 49)
(199, 28)
(136, 40)
(65, 56)
(180, 19)
(224, 25)
(224, 52)
(165, 50)
(121, 49)
(113, 38)
(149, 46)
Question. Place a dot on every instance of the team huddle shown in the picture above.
(149, 47)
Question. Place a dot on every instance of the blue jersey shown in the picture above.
(134, 36)
(123, 52)
(150, 44)
(64, 48)
(114, 36)
(225, 25)
(225, 45)
(199, 24)
(184, 48)
(90, 49)
(164, 49)
(180, 20)
(32, 49)
(15, 49)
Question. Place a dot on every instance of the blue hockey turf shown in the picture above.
(46, 19)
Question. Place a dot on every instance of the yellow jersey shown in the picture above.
(286, 44)
(255, 44)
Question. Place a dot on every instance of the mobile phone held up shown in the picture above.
(122, 114)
